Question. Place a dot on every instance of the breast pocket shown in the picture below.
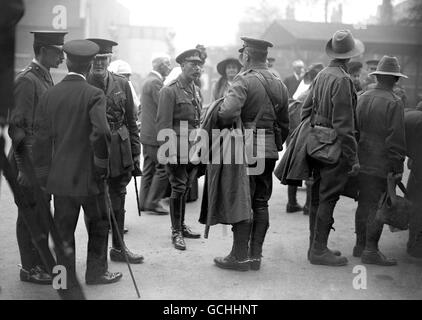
(185, 108)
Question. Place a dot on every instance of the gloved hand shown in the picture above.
(354, 171)
(137, 172)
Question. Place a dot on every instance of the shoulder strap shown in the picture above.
(264, 83)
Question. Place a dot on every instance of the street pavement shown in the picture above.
(169, 274)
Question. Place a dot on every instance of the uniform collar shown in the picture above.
(44, 70)
(383, 87)
(259, 65)
(183, 83)
(76, 74)
(337, 63)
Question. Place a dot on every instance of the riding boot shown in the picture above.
(176, 223)
(238, 258)
(371, 254)
(292, 205)
(319, 253)
(361, 218)
(187, 232)
(307, 206)
(260, 226)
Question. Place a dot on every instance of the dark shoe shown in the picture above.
(157, 211)
(232, 263)
(376, 257)
(187, 233)
(255, 264)
(125, 230)
(35, 275)
(106, 278)
(334, 252)
(326, 258)
(357, 251)
(290, 208)
(119, 256)
(178, 241)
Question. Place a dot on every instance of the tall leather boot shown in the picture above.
(319, 253)
(312, 218)
(371, 254)
(260, 226)
(176, 223)
(238, 258)
(361, 218)
(117, 252)
(186, 231)
(292, 205)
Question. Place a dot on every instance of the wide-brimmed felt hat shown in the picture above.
(221, 66)
(344, 46)
(389, 66)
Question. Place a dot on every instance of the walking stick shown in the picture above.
(111, 218)
(137, 195)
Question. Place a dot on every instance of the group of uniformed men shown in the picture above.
(82, 137)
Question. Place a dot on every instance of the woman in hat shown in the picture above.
(228, 69)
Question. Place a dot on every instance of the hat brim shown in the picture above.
(99, 55)
(221, 66)
(385, 73)
(356, 51)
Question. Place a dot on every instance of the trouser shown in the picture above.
(328, 183)
(261, 187)
(154, 179)
(66, 213)
(368, 229)
(180, 177)
(414, 194)
(291, 195)
(117, 190)
(29, 254)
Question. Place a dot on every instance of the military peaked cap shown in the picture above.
(80, 50)
(49, 38)
(106, 46)
(189, 55)
(256, 44)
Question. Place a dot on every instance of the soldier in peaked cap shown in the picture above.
(261, 100)
(179, 110)
(30, 85)
(125, 145)
(332, 100)
(78, 147)
(382, 150)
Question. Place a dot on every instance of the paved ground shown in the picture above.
(169, 274)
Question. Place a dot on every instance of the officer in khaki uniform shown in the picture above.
(179, 109)
(125, 146)
(30, 85)
(248, 98)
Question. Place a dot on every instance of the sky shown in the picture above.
(215, 22)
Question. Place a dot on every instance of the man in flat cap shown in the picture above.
(154, 179)
(125, 147)
(382, 150)
(261, 101)
(30, 85)
(72, 129)
(179, 110)
(332, 101)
